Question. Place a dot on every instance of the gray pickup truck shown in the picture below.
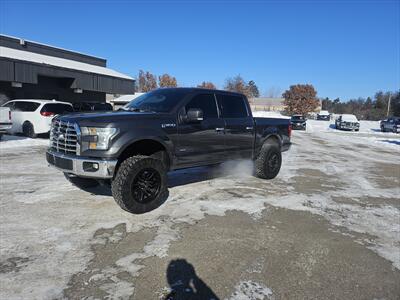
(160, 131)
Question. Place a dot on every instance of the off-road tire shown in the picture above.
(262, 166)
(81, 182)
(394, 130)
(28, 130)
(382, 129)
(121, 185)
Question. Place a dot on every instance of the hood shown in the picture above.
(107, 118)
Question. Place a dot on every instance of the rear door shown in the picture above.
(389, 124)
(200, 142)
(239, 125)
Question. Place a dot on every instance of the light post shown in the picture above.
(388, 109)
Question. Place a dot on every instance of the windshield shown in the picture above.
(162, 100)
(298, 118)
(349, 118)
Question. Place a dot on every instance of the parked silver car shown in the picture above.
(391, 124)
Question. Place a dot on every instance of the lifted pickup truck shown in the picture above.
(163, 130)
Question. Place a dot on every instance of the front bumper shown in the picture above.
(82, 166)
(298, 126)
(349, 127)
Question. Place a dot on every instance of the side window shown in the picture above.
(26, 106)
(232, 106)
(206, 102)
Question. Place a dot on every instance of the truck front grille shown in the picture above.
(63, 137)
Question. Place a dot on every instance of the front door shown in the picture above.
(201, 142)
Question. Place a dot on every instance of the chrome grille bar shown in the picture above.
(64, 137)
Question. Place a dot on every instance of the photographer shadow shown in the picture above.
(185, 284)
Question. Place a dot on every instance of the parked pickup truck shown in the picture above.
(5, 120)
(163, 130)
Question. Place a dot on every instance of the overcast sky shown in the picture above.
(345, 49)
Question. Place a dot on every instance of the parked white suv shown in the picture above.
(32, 116)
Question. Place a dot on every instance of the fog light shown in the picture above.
(90, 166)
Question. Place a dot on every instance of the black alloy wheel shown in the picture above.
(146, 185)
(140, 184)
(274, 162)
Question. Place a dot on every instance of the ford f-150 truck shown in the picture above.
(160, 131)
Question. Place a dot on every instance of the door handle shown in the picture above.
(219, 129)
(249, 128)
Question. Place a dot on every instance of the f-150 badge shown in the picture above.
(168, 125)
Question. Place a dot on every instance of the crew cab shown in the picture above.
(160, 131)
(5, 120)
(391, 124)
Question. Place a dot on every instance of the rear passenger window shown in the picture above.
(57, 108)
(206, 102)
(25, 106)
(232, 106)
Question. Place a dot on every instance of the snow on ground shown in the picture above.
(269, 114)
(48, 248)
(246, 290)
(369, 134)
(16, 142)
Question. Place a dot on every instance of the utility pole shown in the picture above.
(388, 110)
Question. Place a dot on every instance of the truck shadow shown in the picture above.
(175, 178)
(192, 175)
(394, 142)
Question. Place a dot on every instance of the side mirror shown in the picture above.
(194, 115)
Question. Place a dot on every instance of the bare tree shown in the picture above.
(300, 99)
(167, 80)
(273, 92)
(207, 85)
(147, 81)
(238, 85)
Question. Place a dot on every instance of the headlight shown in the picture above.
(96, 138)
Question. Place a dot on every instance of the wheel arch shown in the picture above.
(271, 138)
(148, 147)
